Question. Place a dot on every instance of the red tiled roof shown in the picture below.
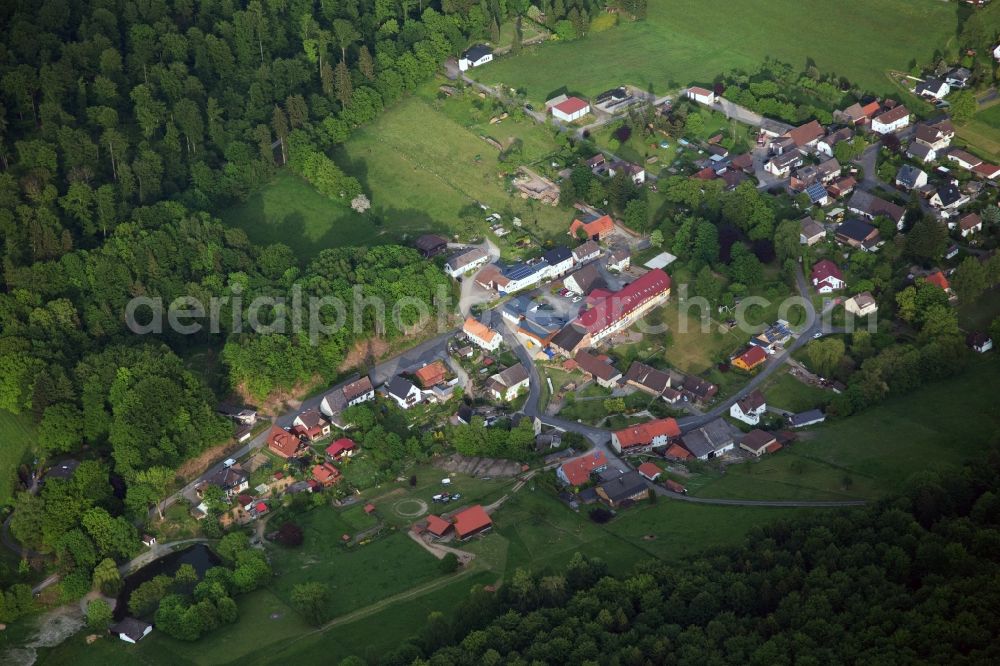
(823, 269)
(432, 374)
(437, 526)
(340, 446)
(970, 221)
(892, 116)
(282, 442)
(610, 308)
(774, 446)
(649, 470)
(599, 227)
(752, 356)
(572, 105)
(261, 507)
(325, 473)
(677, 451)
(577, 471)
(471, 520)
(987, 170)
(644, 433)
(699, 91)
(369, 508)
(811, 131)
(870, 109)
(938, 278)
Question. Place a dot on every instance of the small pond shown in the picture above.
(200, 556)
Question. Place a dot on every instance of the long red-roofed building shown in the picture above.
(611, 312)
(651, 433)
(472, 521)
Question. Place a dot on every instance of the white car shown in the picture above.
(441, 497)
(817, 335)
(228, 463)
(445, 482)
(577, 299)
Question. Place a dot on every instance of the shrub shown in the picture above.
(600, 515)
(290, 534)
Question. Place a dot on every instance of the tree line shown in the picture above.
(911, 576)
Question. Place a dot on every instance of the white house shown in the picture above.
(466, 261)
(949, 197)
(570, 109)
(933, 89)
(619, 260)
(702, 96)
(965, 160)
(781, 165)
(560, 261)
(474, 56)
(507, 385)
(586, 252)
(403, 392)
(634, 171)
(891, 121)
(970, 224)
(481, 334)
(861, 305)
(979, 342)
(910, 177)
(749, 409)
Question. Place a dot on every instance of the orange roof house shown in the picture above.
(472, 521)
(431, 374)
(283, 443)
(650, 471)
(326, 474)
(651, 433)
(596, 229)
(678, 452)
(437, 526)
(938, 278)
(750, 359)
(577, 471)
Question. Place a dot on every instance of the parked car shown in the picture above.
(445, 481)
(577, 298)
(456, 496)
(441, 497)
(817, 335)
(229, 462)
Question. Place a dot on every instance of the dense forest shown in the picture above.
(910, 580)
(125, 126)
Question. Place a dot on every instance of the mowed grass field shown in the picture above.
(982, 133)
(691, 41)
(17, 435)
(419, 166)
(874, 453)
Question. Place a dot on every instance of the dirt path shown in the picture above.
(439, 550)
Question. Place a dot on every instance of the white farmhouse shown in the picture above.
(701, 95)
(474, 56)
(750, 408)
(891, 121)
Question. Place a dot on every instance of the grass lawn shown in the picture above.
(982, 133)
(348, 572)
(18, 434)
(784, 391)
(688, 41)
(937, 426)
(420, 167)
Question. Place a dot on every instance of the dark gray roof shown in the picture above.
(569, 336)
(399, 386)
(919, 151)
(647, 376)
(949, 194)
(557, 254)
(63, 469)
(131, 627)
(430, 243)
(624, 486)
(587, 278)
(855, 229)
(707, 439)
(476, 52)
(805, 418)
(908, 175)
